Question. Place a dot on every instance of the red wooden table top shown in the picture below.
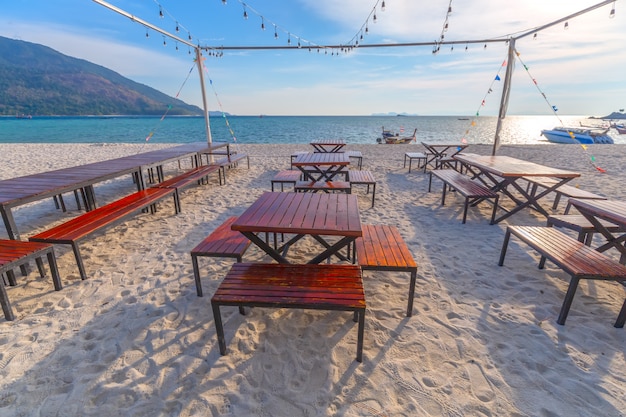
(322, 158)
(302, 213)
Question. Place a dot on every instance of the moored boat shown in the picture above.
(621, 129)
(579, 135)
(391, 138)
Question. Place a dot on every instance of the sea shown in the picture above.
(282, 129)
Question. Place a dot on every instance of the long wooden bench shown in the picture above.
(15, 253)
(564, 190)
(196, 175)
(381, 248)
(310, 286)
(325, 186)
(73, 231)
(363, 178)
(223, 242)
(471, 190)
(573, 257)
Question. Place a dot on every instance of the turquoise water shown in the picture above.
(277, 129)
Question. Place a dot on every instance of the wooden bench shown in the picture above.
(381, 248)
(580, 224)
(363, 178)
(73, 231)
(471, 190)
(564, 190)
(573, 257)
(356, 155)
(223, 242)
(231, 161)
(419, 156)
(197, 175)
(15, 253)
(325, 186)
(288, 176)
(294, 156)
(311, 286)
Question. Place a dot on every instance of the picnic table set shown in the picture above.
(487, 177)
(321, 207)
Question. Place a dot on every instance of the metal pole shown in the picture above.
(207, 125)
(506, 90)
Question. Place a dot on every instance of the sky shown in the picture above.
(579, 70)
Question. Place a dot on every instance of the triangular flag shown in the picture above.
(497, 78)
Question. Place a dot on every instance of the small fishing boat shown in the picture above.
(391, 138)
(621, 129)
(579, 135)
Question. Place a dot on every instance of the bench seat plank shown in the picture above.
(14, 253)
(311, 286)
(382, 248)
(574, 257)
(78, 228)
(222, 242)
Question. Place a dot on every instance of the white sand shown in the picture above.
(135, 340)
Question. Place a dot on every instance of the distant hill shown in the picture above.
(37, 80)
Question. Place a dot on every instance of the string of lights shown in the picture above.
(483, 102)
(278, 30)
(444, 29)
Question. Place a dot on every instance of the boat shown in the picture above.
(621, 128)
(579, 135)
(391, 138)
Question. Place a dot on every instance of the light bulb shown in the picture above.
(566, 26)
(612, 14)
(262, 24)
(382, 6)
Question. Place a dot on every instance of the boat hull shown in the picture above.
(581, 136)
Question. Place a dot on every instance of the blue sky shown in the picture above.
(581, 69)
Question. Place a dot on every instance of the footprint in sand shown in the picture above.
(479, 384)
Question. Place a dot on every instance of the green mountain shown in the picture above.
(37, 80)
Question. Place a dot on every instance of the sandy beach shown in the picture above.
(134, 339)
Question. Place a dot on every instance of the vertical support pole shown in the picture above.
(506, 90)
(199, 61)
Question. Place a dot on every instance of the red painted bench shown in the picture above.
(573, 257)
(73, 231)
(196, 175)
(317, 287)
(223, 242)
(288, 176)
(14, 253)
(363, 178)
(381, 248)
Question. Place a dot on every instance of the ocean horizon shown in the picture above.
(267, 129)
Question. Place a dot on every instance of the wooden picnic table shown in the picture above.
(18, 191)
(436, 151)
(328, 145)
(321, 166)
(611, 211)
(500, 172)
(300, 214)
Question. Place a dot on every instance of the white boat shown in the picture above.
(579, 135)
